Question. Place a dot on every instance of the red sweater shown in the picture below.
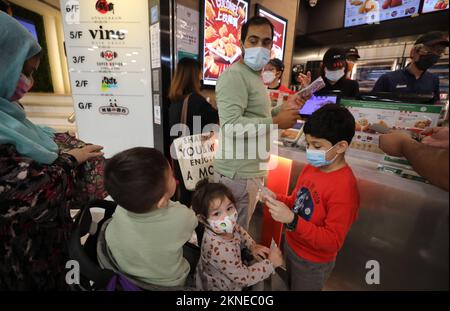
(327, 205)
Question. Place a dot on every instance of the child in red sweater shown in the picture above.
(324, 204)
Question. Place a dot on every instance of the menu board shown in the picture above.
(222, 22)
(280, 28)
(411, 117)
(360, 12)
(108, 55)
(434, 5)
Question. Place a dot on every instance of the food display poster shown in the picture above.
(108, 56)
(412, 117)
(280, 29)
(222, 22)
(360, 12)
(434, 5)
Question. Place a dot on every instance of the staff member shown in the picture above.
(334, 70)
(416, 78)
(352, 56)
(245, 118)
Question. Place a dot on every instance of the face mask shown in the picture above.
(23, 86)
(225, 225)
(268, 77)
(318, 158)
(334, 75)
(427, 61)
(256, 58)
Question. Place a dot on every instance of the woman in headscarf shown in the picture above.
(42, 175)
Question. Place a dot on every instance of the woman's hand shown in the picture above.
(86, 153)
(393, 143)
(260, 252)
(436, 137)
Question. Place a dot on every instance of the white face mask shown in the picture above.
(257, 58)
(334, 75)
(268, 77)
(225, 225)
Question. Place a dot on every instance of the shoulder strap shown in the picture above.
(184, 110)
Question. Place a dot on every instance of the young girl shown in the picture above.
(220, 266)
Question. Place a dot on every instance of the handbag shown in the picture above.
(195, 154)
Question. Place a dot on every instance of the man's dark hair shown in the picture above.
(257, 21)
(331, 122)
(137, 178)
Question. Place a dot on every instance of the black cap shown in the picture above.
(433, 38)
(277, 63)
(352, 52)
(334, 58)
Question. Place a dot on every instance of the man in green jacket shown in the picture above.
(246, 119)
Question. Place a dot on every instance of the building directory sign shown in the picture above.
(108, 54)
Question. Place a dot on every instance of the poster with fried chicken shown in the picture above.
(222, 24)
(279, 36)
(434, 5)
(359, 12)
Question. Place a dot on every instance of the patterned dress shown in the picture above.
(220, 267)
(35, 223)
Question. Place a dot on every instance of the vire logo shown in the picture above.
(114, 109)
(104, 34)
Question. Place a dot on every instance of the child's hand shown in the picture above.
(260, 252)
(280, 212)
(275, 257)
(266, 195)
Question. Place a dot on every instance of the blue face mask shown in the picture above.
(256, 58)
(318, 158)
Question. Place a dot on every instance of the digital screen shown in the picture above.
(360, 12)
(222, 22)
(30, 26)
(280, 28)
(434, 5)
(317, 102)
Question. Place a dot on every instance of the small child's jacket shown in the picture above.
(220, 267)
(327, 205)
